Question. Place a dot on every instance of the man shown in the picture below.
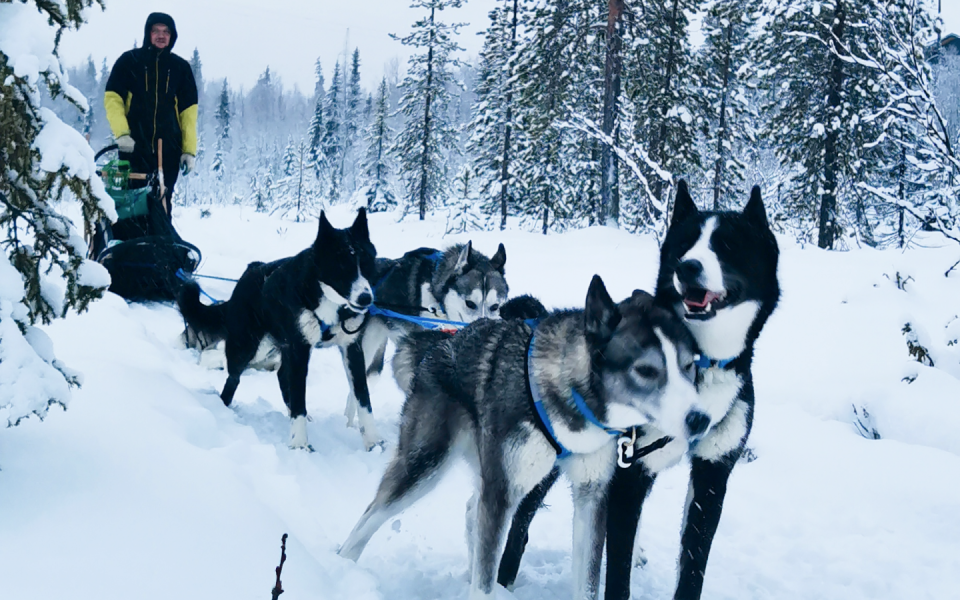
(151, 95)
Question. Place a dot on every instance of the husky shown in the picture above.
(718, 272)
(458, 284)
(517, 401)
(316, 299)
(412, 348)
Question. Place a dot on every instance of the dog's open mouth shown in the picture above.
(701, 304)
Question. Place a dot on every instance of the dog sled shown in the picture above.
(143, 252)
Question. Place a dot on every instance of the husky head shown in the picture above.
(345, 260)
(719, 271)
(642, 360)
(469, 285)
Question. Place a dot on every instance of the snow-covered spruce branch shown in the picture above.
(589, 127)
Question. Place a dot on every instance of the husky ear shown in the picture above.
(359, 228)
(600, 315)
(323, 230)
(683, 206)
(499, 259)
(464, 259)
(754, 211)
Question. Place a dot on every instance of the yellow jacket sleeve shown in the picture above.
(188, 129)
(117, 113)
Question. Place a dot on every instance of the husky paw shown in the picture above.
(298, 433)
(369, 446)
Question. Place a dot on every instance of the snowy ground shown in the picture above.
(149, 488)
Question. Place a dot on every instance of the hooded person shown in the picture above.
(151, 95)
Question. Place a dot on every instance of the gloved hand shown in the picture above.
(125, 144)
(186, 163)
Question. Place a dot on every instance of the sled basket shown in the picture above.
(128, 202)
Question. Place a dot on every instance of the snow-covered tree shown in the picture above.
(819, 104)
(727, 98)
(493, 128)
(922, 180)
(378, 169)
(428, 136)
(42, 161)
(333, 150)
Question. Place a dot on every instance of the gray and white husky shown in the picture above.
(517, 401)
(457, 284)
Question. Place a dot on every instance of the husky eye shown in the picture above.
(646, 372)
(690, 367)
(471, 305)
(494, 307)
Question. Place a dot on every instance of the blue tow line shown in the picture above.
(184, 277)
(425, 322)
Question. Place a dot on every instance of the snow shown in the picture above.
(149, 488)
(29, 378)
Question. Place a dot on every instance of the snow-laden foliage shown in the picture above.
(43, 162)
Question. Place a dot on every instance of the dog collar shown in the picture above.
(705, 362)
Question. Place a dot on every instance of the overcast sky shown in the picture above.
(240, 38)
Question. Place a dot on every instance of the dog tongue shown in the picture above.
(708, 297)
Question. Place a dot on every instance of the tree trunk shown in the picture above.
(722, 128)
(424, 159)
(609, 210)
(657, 145)
(505, 165)
(546, 209)
(828, 202)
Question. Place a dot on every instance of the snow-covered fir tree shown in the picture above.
(428, 136)
(494, 134)
(559, 69)
(333, 150)
(819, 105)
(352, 124)
(377, 166)
(42, 162)
(662, 82)
(919, 174)
(728, 99)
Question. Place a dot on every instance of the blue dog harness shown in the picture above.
(626, 453)
(544, 420)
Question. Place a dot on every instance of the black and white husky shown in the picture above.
(718, 272)
(516, 401)
(316, 299)
(457, 284)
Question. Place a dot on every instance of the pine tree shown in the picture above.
(317, 130)
(333, 135)
(727, 97)
(919, 175)
(377, 167)
(428, 137)
(223, 132)
(559, 65)
(820, 101)
(352, 122)
(661, 79)
(42, 161)
(494, 132)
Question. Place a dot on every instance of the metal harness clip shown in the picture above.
(625, 447)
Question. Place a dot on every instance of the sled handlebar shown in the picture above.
(111, 148)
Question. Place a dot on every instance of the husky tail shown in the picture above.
(205, 325)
